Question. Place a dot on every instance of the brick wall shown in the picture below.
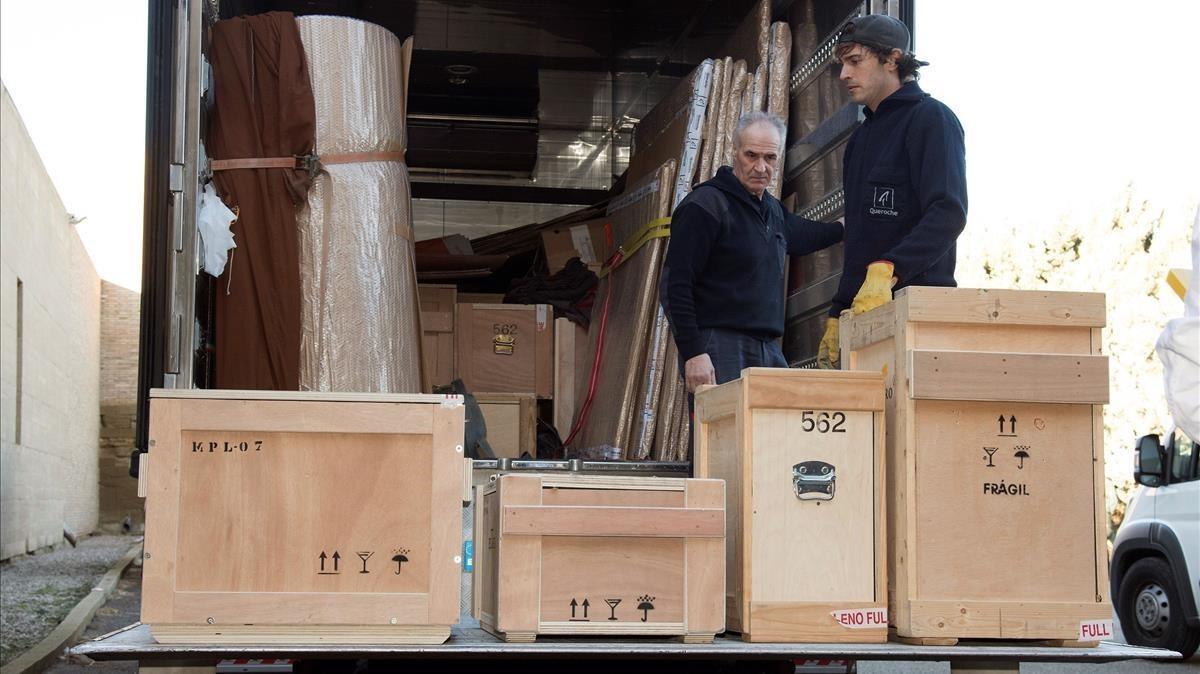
(49, 355)
(120, 507)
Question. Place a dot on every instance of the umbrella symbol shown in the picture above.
(1021, 454)
(645, 606)
(400, 558)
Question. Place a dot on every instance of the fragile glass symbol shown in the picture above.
(990, 451)
(364, 556)
(612, 606)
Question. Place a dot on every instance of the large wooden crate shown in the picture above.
(598, 556)
(282, 517)
(506, 348)
(996, 462)
(437, 333)
(801, 452)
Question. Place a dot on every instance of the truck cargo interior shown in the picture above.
(519, 114)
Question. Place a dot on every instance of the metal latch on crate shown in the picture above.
(504, 345)
(814, 480)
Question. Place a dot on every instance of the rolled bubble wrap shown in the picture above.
(361, 329)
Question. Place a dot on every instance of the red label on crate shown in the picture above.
(1095, 630)
(861, 618)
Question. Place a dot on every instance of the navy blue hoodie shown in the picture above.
(725, 261)
(906, 193)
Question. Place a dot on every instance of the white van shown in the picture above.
(1156, 555)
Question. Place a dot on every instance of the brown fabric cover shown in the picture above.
(263, 107)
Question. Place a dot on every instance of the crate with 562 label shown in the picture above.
(506, 348)
(289, 517)
(995, 460)
(801, 452)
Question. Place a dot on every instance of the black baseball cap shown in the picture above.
(879, 31)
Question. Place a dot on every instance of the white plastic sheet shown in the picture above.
(1179, 350)
(213, 220)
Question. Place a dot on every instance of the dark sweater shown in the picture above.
(906, 193)
(725, 261)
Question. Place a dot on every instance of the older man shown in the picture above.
(723, 280)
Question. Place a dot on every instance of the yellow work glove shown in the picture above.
(876, 290)
(829, 355)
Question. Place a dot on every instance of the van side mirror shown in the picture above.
(1148, 464)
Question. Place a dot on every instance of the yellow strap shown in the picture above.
(658, 228)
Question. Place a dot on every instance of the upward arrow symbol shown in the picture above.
(323, 558)
(585, 607)
(1001, 420)
(336, 557)
(574, 604)
(1012, 421)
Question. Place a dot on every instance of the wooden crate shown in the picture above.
(996, 463)
(596, 556)
(506, 348)
(480, 298)
(260, 507)
(570, 363)
(805, 555)
(437, 333)
(511, 420)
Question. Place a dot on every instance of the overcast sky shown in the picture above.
(1064, 103)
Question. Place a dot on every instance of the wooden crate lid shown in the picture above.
(1001, 307)
(307, 396)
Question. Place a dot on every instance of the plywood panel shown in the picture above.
(511, 421)
(1003, 306)
(237, 542)
(506, 348)
(1006, 496)
(437, 333)
(815, 551)
(621, 570)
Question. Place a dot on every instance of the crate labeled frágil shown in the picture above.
(801, 452)
(996, 460)
(284, 517)
(596, 555)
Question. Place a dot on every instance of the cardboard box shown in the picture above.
(596, 556)
(287, 517)
(801, 452)
(996, 462)
(506, 348)
(438, 353)
(588, 241)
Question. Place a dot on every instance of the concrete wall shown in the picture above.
(120, 507)
(50, 400)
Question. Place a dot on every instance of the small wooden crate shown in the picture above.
(801, 452)
(596, 556)
(996, 462)
(438, 352)
(511, 421)
(506, 348)
(283, 517)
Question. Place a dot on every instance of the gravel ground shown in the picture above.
(38, 591)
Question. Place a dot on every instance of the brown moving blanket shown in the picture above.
(263, 107)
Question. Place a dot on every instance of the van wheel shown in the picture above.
(1151, 610)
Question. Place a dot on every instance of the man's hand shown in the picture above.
(698, 371)
(876, 290)
(829, 355)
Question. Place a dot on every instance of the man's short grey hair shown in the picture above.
(758, 117)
